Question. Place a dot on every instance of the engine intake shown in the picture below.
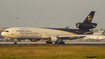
(53, 39)
(86, 26)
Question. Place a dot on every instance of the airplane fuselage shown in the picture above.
(38, 33)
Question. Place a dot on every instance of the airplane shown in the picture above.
(97, 35)
(54, 35)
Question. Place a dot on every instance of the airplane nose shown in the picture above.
(2, 33)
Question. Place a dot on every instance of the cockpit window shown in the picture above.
(6, 31)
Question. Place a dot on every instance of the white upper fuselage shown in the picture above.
(32, 33)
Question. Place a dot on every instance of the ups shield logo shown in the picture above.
(89, 18)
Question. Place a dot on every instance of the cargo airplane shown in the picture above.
(55, 35)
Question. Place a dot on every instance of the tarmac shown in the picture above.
(66, 43)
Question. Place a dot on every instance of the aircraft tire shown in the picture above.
(48, 42)
(61, 42)
(55, 42)
(15, 42)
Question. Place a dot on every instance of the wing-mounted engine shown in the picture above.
(86, 26)
(53, 39)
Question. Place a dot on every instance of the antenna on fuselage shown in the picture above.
(17, 21)
(53, 21)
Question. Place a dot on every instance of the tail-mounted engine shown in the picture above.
(86, 26)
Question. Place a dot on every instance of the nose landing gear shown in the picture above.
(15, 41)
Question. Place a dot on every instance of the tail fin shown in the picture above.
(86, 24)
(89, 17)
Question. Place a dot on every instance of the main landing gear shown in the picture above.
(55, 42)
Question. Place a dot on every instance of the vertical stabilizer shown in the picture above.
(89, 17)
(87, 23)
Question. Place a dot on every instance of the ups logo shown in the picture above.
(89, 18)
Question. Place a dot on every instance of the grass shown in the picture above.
(52, 51)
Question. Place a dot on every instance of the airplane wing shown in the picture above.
(95, 33)
(72, 36)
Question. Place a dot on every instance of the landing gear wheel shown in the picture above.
(15, 42)
(61, 42)
(56, 43)
(49, 42)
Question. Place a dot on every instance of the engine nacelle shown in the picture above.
(86, 26)
(53, 39)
